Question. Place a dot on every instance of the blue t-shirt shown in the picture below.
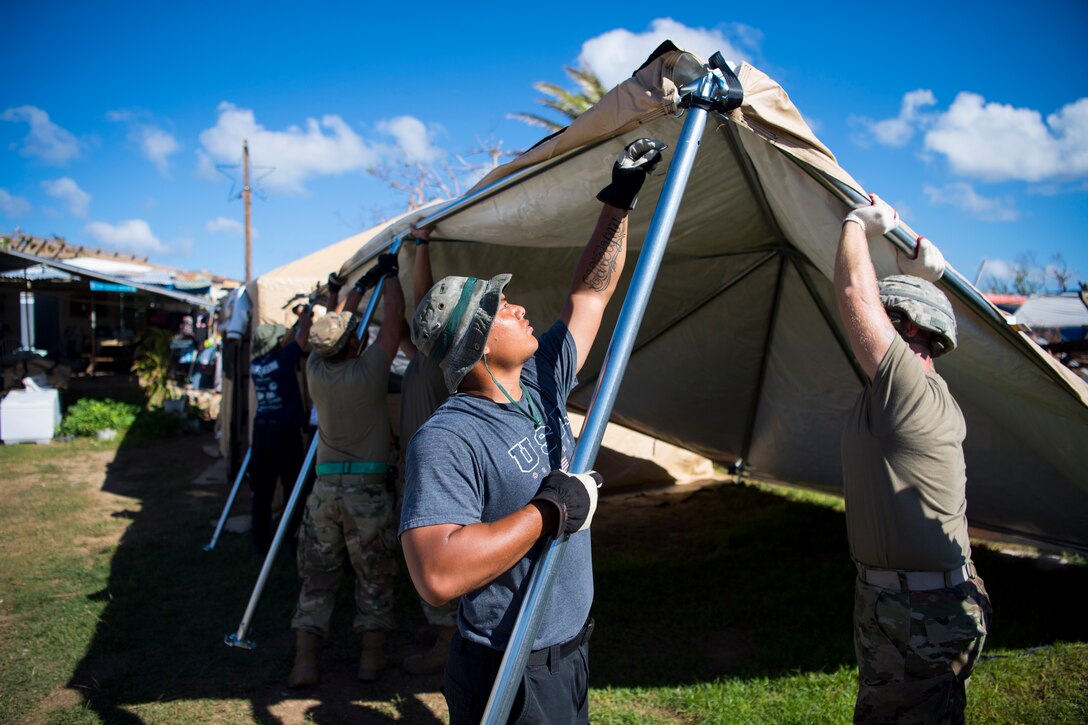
(475, 461)
(278, 397)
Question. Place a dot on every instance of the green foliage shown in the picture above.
(152, 365)
(571, 104)
(88, 417)
(154, 424)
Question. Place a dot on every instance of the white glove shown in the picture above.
(927, 262)
(876, 219)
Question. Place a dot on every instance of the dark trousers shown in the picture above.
(553, 689)
(277, 452)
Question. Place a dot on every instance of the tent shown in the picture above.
(633, 458)
(741, 355)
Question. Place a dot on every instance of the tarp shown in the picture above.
(741, 354)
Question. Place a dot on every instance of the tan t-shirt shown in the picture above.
(422, 390)
(353, 419)
(903, 470)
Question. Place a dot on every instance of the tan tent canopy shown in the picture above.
(741, 354)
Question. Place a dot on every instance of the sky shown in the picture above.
(121, 124)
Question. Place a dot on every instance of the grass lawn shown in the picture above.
(726, 604)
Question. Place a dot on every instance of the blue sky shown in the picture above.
(970, 118)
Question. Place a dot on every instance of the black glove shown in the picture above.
(367, 281)
(629, 172)
(387, 264)
(575, 496)
(335, 283)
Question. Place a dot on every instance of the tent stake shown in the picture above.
(230, 501)
(717, 91)
(238, 638)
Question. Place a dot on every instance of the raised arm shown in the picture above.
(422, 277)
(598, 271)
(868, 328)
(392, 305)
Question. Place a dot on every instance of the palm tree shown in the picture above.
(571, 104)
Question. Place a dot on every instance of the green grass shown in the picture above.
(728, 604)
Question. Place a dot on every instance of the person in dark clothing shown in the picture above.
(278, 425)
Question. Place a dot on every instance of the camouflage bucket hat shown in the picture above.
(452, 323)
(329, 335)
(266, 337)
(925, 305)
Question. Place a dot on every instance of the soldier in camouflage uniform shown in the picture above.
(921, 611)
(350, 510)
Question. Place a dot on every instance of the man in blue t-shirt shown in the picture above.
(486, 475)
(276, 442)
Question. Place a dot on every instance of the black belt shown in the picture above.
(536, 657)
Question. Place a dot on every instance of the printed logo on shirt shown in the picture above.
(266, 369)
(530, 457)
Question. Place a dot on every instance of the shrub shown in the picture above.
(88, 417)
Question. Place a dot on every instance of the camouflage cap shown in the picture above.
(925, 305)
(266, 337)
(452, 323)
(329, 335)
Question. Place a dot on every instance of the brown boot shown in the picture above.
(304, 673)
(434, 659)
(372, 661)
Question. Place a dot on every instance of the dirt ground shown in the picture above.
(128, 487)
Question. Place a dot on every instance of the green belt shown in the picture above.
(341, 468)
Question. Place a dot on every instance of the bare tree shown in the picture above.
(421, 183)
(1027, 279)
(1061, 272)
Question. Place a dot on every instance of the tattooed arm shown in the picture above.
(595, 279)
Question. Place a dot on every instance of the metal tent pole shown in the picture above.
(719, 92)
(238, 638)
(230, 501)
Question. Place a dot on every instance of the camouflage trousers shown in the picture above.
(916, 651)
(347, 516)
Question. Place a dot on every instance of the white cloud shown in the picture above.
(155, 143)
(13, 206)
(413, 138)
(963, 196)
(616, 54)
(328, 146)
(997, 142)
(229, 226)
(45, 140)
(157, 146)
(899, 130)
(67, 190)
(133, 235)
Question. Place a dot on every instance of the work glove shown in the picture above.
(575, 497)
(387, 265)
(629, 172)
(367, 281)
(927, 262)
(335, 282)
(875, 220)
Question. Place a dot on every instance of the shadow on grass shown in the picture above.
(721, 581)
(160, 637)
(735, 581)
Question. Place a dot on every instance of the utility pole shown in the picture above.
(245, 200)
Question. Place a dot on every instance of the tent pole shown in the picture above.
(702, 96)
(230, 501)
(746, 446)
(238, 638)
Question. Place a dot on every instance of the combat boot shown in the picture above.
(304, 672)
(434, 659)
(372, 661)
